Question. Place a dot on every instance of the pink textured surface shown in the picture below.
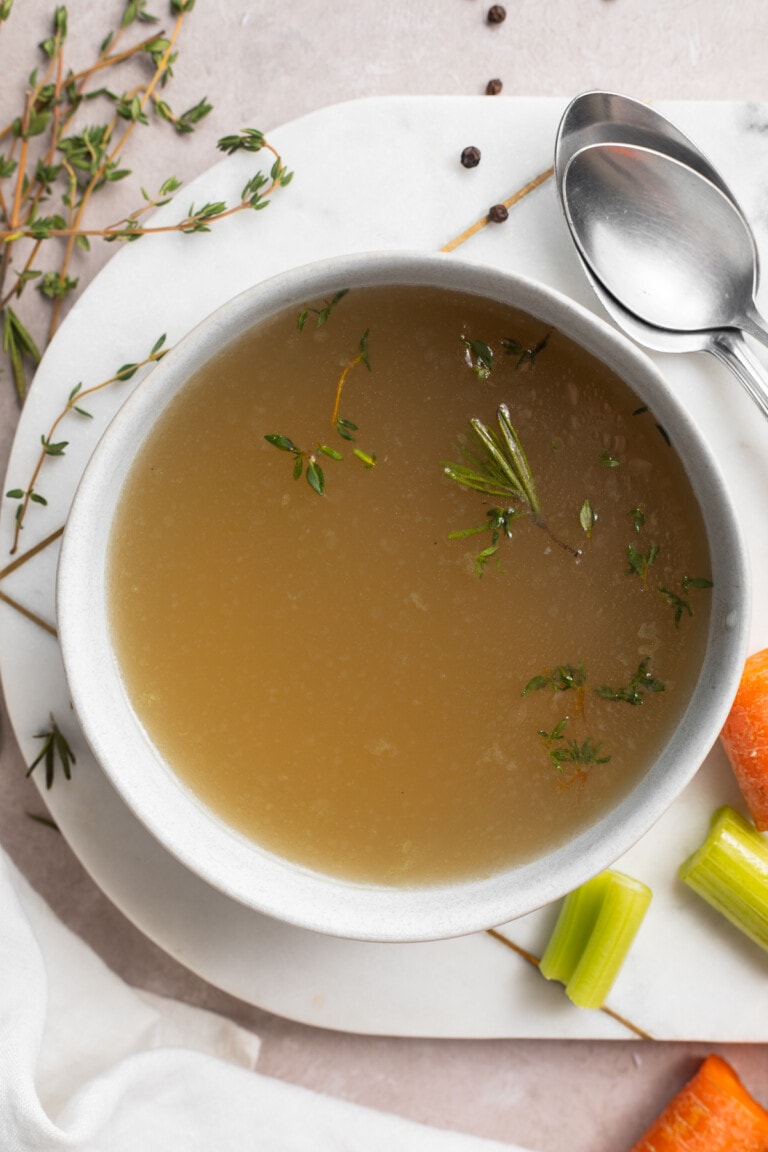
(263, 64)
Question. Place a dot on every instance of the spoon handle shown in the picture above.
(731, 349)
(755, 325)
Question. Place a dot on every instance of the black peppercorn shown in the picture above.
(493, 87)
(497, 14)
(470, 157)
(498, 214)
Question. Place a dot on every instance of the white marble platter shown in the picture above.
(385, 174)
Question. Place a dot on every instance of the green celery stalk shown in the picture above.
(594, 932)
(730, 872)
(574, 926)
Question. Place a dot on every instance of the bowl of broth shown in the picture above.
(401, 597)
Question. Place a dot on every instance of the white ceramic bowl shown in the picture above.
(227, 859)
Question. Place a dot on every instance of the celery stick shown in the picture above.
(594, 932)
(577, 918)
(730, 872)
(621, 913)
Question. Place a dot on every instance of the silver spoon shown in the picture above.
(599, 117)
(662, 239)
(636, 122)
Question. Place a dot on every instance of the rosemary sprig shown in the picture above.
(500, 468)
(55, 746)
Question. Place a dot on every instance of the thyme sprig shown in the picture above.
(306, 463)
(681, 605)
(50, 171)
(55, 747)
(500, 468)
(565, 751)
(29, 494)
(642, 682)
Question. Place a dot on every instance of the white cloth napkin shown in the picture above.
(88, 1064)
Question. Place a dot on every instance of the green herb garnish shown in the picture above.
(55, 746)
(564, 751)
(500, 468)
(642, 682)
(479, 357)
(637, 516)
(526, 357)
(305, 462)
(560, 679)
(587, 517)
(322, 315)
(639, 562)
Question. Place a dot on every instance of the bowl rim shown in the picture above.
(227, 859)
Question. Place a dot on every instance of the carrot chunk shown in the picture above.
(713, 1112)
(745, 737)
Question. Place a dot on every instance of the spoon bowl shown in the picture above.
(662, 239)
(603, 118)
(609, 118)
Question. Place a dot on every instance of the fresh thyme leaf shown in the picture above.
(53, 284)
(323, 315)
(556, 732)
(19, 347)
(637, 516)
(327, 451)
(249, 140)
(585, 753)
(346, 428)
(53, 449)
(498, 523)
(587, 517)
(526, 357)
(284, 443)
(479, 357)
(678, 604)
(560, 679)
(642, 682)
(608, 460)
(368, 460)
(315, 477)
(639, 562)
(564, 751)
(696, 582)
(55, 747)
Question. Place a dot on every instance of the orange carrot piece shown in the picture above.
(745, 737)
(713, 1112)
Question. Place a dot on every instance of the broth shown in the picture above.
(330, 673)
